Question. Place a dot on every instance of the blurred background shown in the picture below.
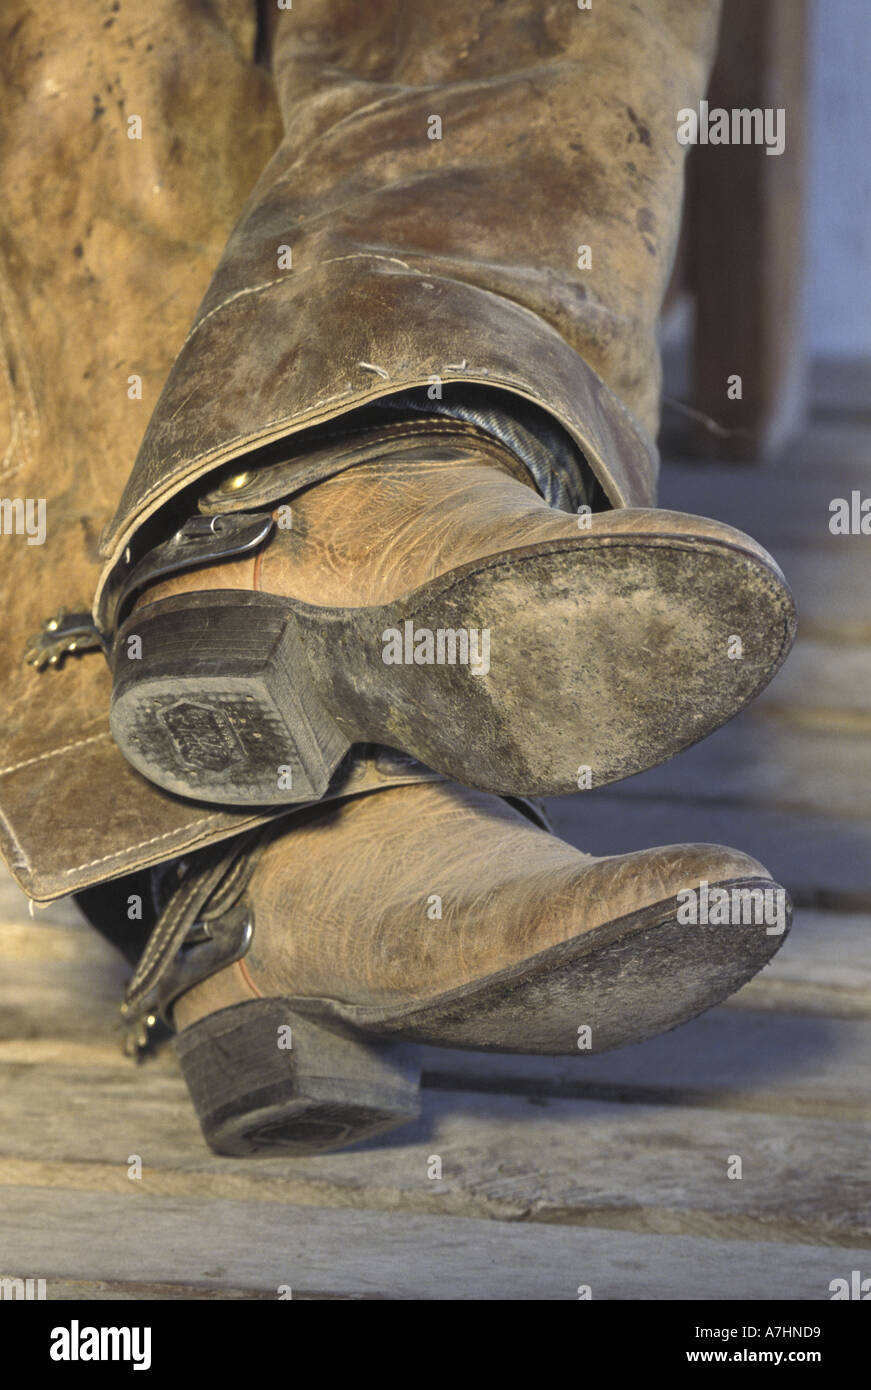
(773, 275)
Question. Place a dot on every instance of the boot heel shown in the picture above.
(215, 701)
(266, 1080)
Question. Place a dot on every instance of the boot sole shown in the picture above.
(605, 659)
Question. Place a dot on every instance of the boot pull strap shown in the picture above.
(209, 892)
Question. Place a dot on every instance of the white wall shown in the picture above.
(838, 301)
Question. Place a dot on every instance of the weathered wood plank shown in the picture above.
(72, 1001)
(69, 1101)
(822, 683)
(742, 1058)
(134, 1291)
(831, 588)
(16, 909)
(778, 506)
(736, 1059)
(612, 1166)
(824, 968)
(763, 761)
(216, 1243)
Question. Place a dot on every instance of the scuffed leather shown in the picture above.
(506, 889)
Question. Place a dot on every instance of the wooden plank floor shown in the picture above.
(609, 1172)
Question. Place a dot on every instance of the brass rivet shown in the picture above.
(237, 482)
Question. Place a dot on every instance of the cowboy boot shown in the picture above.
(610, 635)
(428, 598)
(295, 984)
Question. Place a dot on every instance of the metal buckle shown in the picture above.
(200, 541)
(206, 949)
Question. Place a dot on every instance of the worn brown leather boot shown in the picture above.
(426, 597)
(428, 913)
(489, 201)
